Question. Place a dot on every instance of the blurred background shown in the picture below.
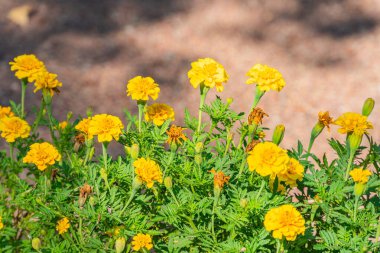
(327, 50)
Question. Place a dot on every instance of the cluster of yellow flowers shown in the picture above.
(42, 155)
(147, 171)
(268, 159)
(141, 241)
(63, 225)
(360, 176)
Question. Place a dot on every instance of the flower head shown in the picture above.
(42, 155)
(140, 241)
(360, 176)
(62, 125)
(47, 81)
(256, 116)
(159, 113)
(12, 128)
(207, 72)
(106, 127)
(285, 221)
(266, 78)
(147, 171)
(63, 225)
(294, 171)
(5, 111)
(141, 88)
(351, 122)
(220, 179)
(83, 126)
(325, 119)
(27, 66)
(175, 135)
(1, 223)
(267, 158)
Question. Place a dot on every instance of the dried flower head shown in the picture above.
(267, 158)
(266, 78)
(220, 179)
(159, 113)
(360, 176)
(47, 81)
(12, 128)
(175, 134)
(141, 88)
(325, 119)
(106, 127)
(147, 171)
(27, 66)
(5, 111)
(84, 191)
(256, 116)
(207, 72)
(351, 122)
(141, 241)
(42, 155)
(63, 225)
(285, 222)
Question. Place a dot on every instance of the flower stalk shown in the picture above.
(141, 105)
(24, 83)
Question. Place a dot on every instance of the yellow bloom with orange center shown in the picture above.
(294, 172)
(266, 78)
(209, 73)
(351, 122)
(285, 222)
(5, 111)
(325, 119)
(83, 126)
(360, 176)
(147, 171)
(141, 241)
(106, 127)
(220, 179)
(268, 159)
(175, 135)
(62, 125)
(1, 223)
(47, 81)
(42, 155)
(159, 113)
(141, 88)
(63, 225)
(12, 128)
(27, 66)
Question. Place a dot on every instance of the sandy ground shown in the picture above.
(327, 50)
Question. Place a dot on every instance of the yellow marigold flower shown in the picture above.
(83, 126)
(267, 158)
(141, 88)
(27, 66)
(256, 116)
(106, 127)
(62, 125)
(159, 113)
(48, 81)
(360, 176)
(5, 111)
(63, 225)
(12, 128)
(294, 172)
(147, 171)
(325, 119)
(220, 179)
(209, 73)
(266, 78)
(42, 155)
(1, 223)
(140, 241)
(351, 122)
(285, 221)
(175, 134)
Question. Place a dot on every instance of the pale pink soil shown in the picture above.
(327, 50)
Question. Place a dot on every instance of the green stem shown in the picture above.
(350, 161)
(278, 246)
(203, 91)
(11, 149)
(378, 232)
(356, 207)
(260, 190)
(140, 105)
(104, 149)
(24, 83)
(216, 198)
(309, 148)
(174, 197)
(80, 230)
(242, 165)
(39, 116)
(45, 189)
(128, 202)
(251, 132)
(259, 94)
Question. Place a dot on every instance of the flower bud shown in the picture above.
(368, 106)
(92, 201)
(89, 112)
(354, 140)
(136, 183)
(36, 243)
(359, 189)
(120, 244)
(229, 101)
(278, 134)
(198, 159)
(133, 151)
(244, 203)
(198, 147)
(69, 115)
(168, 182)
(103, 174)
(317, 130)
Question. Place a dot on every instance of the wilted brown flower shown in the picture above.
(79, 140)
(325, 119)
(256, 116)
(84, 191)
(220, 179)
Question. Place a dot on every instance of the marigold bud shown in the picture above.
(103, 174)
(198, 147)
(133, 151)
(168, 182)
(354, 140)
(69, 115)
(36, 243)
(198, 159)
(278, 134)
(229, 101)
(368, 106)
(359, 189)
(120, 244)
(92, 201)
(244, 203)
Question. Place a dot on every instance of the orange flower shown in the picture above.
(220, 179)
